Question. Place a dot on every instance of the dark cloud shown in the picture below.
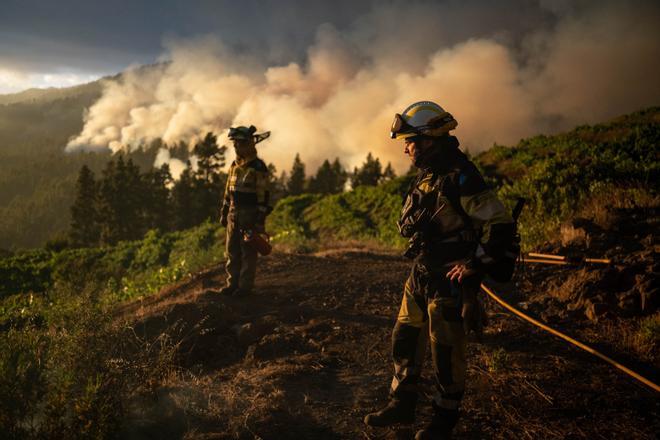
(506, 70)
(108, 36)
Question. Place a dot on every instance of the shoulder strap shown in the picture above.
(449, 188)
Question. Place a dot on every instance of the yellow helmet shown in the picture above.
(422, 118)
(244, 133)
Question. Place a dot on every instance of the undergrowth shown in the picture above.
(68, 371)
(71, 374)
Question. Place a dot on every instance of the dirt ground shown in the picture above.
(307, 356)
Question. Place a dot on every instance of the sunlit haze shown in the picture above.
(328, 86)
(14, 81)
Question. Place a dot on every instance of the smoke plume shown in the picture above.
(504, 80)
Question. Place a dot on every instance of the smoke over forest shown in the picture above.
(561, 67)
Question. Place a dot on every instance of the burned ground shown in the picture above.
(307, 356)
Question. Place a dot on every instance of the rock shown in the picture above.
(609, 280)
(650, 300)
(574, 306)
(629, 302)
(595, 310)
(252, 332)
(571, 234)
(245, 333)
(278, 345)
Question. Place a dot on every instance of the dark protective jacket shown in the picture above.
(247, 193)
(464, 219)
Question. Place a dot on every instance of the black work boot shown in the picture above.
(228, 290)
(396, 411)
(441, 425)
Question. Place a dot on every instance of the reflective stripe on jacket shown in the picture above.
(248, 186)
(464, 185)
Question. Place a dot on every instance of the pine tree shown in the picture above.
(107, 196)
(133, 219)
(208, 180)
(296, 183)
(183, 200)
(277, 184)
(369, 174)
(84, 227)
(281, 183)
(329, 179)
(210, 158)
(321, 183)
(157, 203)
(341, 176)
(389, 173)
(120, 208)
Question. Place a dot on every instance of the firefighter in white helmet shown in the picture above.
(244, 209)
(456, 226)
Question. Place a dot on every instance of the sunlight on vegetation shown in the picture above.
(65, 365)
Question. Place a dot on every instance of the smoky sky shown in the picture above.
(327, 76)
(108, 36)
(83, 35)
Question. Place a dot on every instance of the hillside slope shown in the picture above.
(308, 356)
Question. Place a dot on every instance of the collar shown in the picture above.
(246, 159)
(442, 157)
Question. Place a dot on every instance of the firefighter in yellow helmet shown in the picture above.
(245, 207)
(456, 226)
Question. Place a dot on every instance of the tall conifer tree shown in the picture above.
(182, 198)
(208, 182)
(296, 183)
(329, 178)
(370, 173)
(84, 227)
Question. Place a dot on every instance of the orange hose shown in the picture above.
(579, 344)
(540, 260)
(546, 256)
(598, 260)
(535, 256)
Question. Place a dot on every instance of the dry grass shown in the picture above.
(602, 207)
(241, 403)
(571, 235)
(639, 337)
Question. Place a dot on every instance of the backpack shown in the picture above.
(502, 269)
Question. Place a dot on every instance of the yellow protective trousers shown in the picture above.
(430, 312)
(241, 257)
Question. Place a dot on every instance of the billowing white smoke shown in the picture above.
(590, 66)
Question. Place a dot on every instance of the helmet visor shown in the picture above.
(238, 133)
(401, 127)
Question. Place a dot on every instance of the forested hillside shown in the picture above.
(582, 172)
(37, 178)
(591, 172)
(59, 305)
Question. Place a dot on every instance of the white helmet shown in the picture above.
(422, 118)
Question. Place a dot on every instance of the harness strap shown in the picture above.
(449, 189)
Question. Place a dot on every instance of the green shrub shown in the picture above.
(26, 272)
(649, 329)
(58, 381)
(154, 250)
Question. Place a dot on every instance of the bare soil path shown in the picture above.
(307, 355)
